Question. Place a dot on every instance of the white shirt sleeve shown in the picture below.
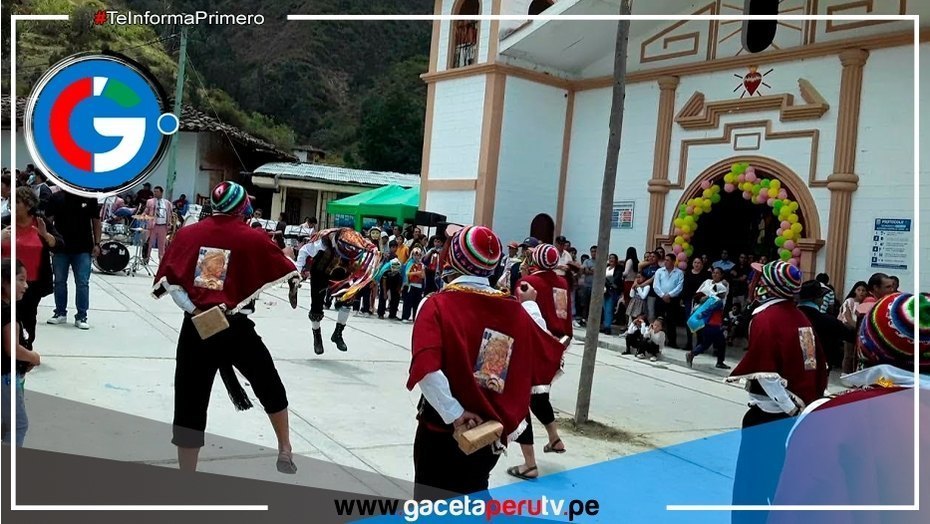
(777, 392)
(181, 298)
(533, 309)
(435, 388)
(309, 250)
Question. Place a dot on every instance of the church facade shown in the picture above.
(518, 114)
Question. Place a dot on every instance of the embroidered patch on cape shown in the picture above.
(560, 298)
(493, 360)
(212, 266)
(808, 348)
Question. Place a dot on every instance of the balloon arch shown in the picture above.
(763, 191)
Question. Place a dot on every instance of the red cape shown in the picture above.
(466, 335)
(554, 301)
(222, 261)
(775, 338)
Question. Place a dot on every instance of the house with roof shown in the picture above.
(517, 127)
(302, 189)
(209, 151)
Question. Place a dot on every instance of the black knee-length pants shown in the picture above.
(199, 360)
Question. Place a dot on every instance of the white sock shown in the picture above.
(343, 316)
(314, 324)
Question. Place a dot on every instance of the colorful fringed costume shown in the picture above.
(342, 262)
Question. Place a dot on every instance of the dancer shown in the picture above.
(220, 262)
(342, 262)
(554, 301)
(784, 369)
(480, 343)
(862, 452)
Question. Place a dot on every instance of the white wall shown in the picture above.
(885, 160)
(458, 206)
(590, 126)
(458, 111)
(188, 164)
(530, 156)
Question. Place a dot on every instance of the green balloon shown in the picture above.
(682, 208)
(715, 198)
(785, 255)
(775, 212)
(780, 241)
(766, 182)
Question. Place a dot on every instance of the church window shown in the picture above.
(465, 34)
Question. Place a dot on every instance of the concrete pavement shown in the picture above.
(348, 408)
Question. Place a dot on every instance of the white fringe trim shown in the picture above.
(163, 283)
(536, 390)
(755, 376)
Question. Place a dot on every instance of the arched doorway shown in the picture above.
(742, 226)
(538, 6)
(543, 228)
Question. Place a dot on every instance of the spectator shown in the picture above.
(42, 190)
(613, 285)
(828, 304)
(78, 222)
(181, 206)
(849, 315)
(637, 297)
(739, 280)
(634, 333)
(586, 282)
(392, 282)
(5, 188)
(279, 230)
(630, 270)
(693, 280)
(880, 285)
(162, 223)
(26, 359)
(829, 330)
(648, 268)
(414, 275)
(896, 283)
(724, 263)
(36, 237)
(651, 341)
(668, 284)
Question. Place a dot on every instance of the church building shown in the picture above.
(721, 149)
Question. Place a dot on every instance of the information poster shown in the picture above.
(891, 243)
(622, 217)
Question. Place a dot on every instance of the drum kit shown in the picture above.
(114, 253)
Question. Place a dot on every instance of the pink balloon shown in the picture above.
(750, 176)
(793, 262)
(676, 249)
(782, 194)
(785, 224)
(678, 231)
(764, 193)
(747, 195)
(741, 178)
(729, 188)
(705, 184)
(796, 252)
(789, 244)
(683, 266)
(690, 210)
(682, 257)
(771, 202)
(750, 171)
(779, 231)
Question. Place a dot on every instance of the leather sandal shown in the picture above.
(514, 471)
(550, 447)
(285, 463)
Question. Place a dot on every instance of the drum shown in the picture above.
(113, 257)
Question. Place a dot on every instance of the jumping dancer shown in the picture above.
(342, 262)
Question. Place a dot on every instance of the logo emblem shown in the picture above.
(752, 81)
(97, 125)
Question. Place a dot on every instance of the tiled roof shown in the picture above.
(191, 120)
(338, 175)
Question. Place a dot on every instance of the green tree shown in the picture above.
(391, 130)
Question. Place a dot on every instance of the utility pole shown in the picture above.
(583, 403)
(178, 94)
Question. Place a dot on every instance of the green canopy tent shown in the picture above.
(400, 206)
(352, 205)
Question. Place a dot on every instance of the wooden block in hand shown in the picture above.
(471, 440)
(210, 322)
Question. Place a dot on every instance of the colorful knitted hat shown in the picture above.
(229, 198)
(886, 335)
(474, 250)
(545, 257)
(781, 279)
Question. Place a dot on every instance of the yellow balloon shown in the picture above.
(797, 227)
(698, 211)
(775, 184)
(793, 218)
(789, 234)
(685, 246)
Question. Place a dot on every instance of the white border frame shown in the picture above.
(915, 19)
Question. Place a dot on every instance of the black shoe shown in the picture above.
(689, 356)
(721, 365)
(337, 338)
(318, 341)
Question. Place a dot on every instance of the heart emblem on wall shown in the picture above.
(752, 81)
